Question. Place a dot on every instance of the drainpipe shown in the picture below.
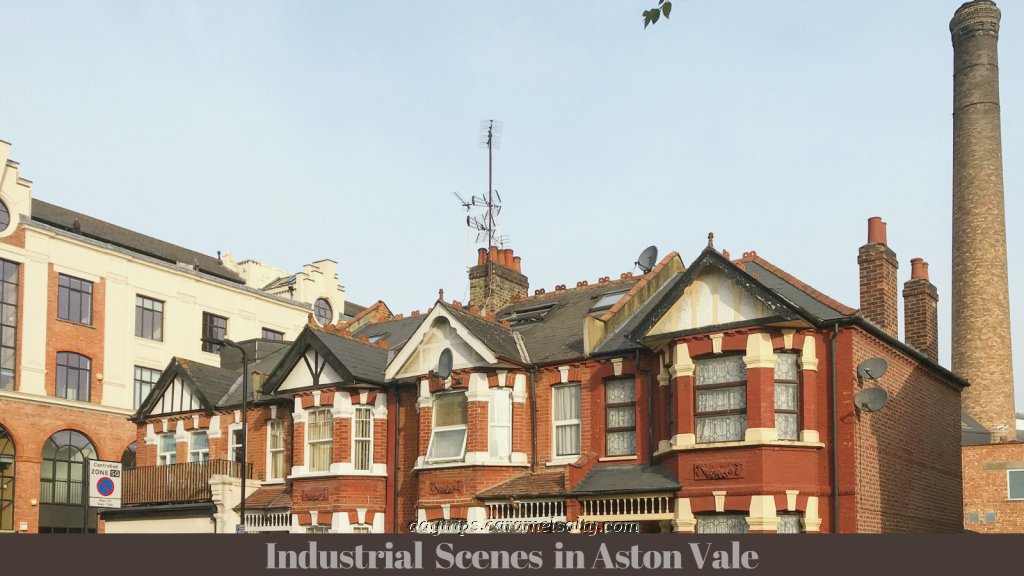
(650, 407)
(835, 431)
(394, 467)
(533, 418)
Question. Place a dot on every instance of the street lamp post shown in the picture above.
(240, 528)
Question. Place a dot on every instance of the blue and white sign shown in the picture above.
(104, 480)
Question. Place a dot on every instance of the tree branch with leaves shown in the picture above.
(651, 16)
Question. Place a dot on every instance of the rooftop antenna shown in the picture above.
(490, 138)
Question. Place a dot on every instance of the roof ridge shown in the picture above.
(636, 288)
(364, 312)
(456, 305)
(797, 283)
(345, 333)
(625, 278)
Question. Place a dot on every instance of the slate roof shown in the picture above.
(365, 361)
(496, 337)
(972, 433)
(351, 309)
(631, 479)
(529, 484)
(1019, 415)
(269, 497)
(264, 365)
(559, 335)
(396, 332)
(103, 231)
(213, 382)
(792, 290)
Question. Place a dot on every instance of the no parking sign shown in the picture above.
(104, 480)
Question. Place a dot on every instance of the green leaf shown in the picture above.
(655, 14)
(666, 8)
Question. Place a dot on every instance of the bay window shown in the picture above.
(787, 399)
(500, 424)
(721, 389)
(722, 524)
(620, 417)
(448, 438)
(566, 419)
(320, 437)
(362, 437)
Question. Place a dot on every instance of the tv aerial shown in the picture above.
(648, 258)
(871, 399)
(872, 368)
(486, 222)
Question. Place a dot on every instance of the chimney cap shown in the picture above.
(918, 268)
(876, 230)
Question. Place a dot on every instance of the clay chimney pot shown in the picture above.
(876, 230)
(918, 268)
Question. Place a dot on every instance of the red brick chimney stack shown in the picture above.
(921, 311)
(879, 302)
(496, 279)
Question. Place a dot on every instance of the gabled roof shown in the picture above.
(528, 484)
(206, 384)
(99, 230)
(558, 336)
(354, 361)
(264, 364)
(495, 336)
(632, 479)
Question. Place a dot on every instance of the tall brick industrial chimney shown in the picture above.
(981, 300)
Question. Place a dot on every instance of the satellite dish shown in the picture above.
(648, 258)
(444, 364)
(872, 368)
(871, 399)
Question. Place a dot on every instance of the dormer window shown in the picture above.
(448, 438)
(607, 301)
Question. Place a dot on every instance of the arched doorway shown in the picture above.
(7, 453)
(62, 484)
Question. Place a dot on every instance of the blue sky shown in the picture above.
(288, 132)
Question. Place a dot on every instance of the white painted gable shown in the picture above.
(440, 335)
(711, 299)
(177, 398)
(301, 377)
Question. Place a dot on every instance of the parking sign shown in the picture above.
(104, 480)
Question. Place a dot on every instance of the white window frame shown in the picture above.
(362, 529)
(1008, 473)
(435, 429)
(231, 441)
(163, 457)
(311, 443)
(556, 423)
(497, 395)
(193, 452)
(355, 441)
(318, 529)
(271, 450)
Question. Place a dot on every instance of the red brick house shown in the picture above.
(713, 397)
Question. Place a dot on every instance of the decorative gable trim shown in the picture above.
(414, 342)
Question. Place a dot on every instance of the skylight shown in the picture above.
(608, 300)
(377, 338)
(527, 315)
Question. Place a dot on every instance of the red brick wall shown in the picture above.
(64, 336)
(31, 425)
(907, 455)
(408, 449)
(987, 490)
(879, 286)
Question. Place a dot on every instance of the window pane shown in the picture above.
(501, 442)
(729, 428)
(277, 465)
(722, 524)
(567, 402)
(717, 399)
(447, 444)
(622, 417)
(786, 424)
(621, 444)
(200, 441)
(620, 392)
(567, 440)
(720, 370)
(785, 396)
(450, 410)
(500, 409)
(785, 366)
(320, 456)
(1016, 484)
(167, 443)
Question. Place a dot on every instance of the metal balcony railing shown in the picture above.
(186, 482)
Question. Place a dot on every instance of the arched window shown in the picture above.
(74, 376)
(128, 458)
(6, 480)
(5, 217)
(63, 469)
(322, 311)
